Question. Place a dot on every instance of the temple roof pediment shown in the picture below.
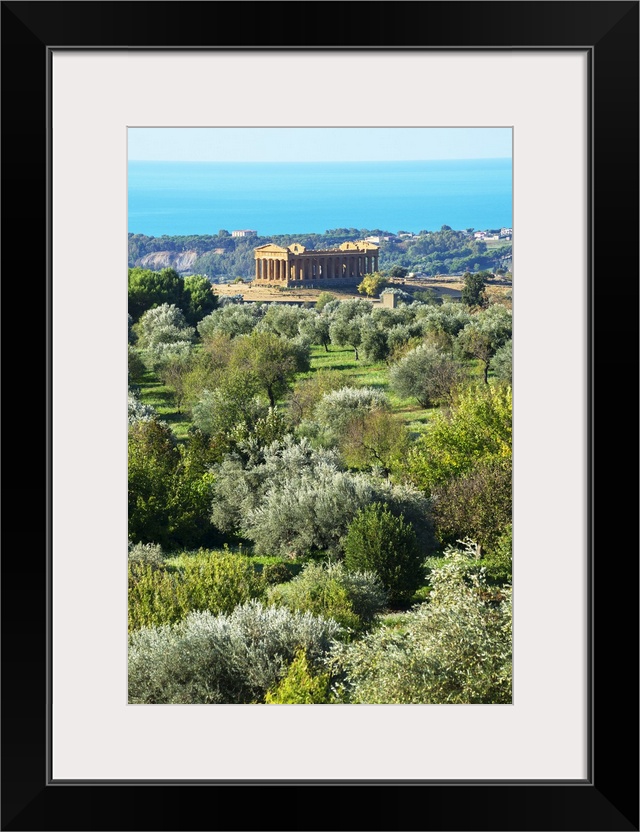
(359, 245)
(272, 248)
(297, 248)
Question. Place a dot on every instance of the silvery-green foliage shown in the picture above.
(162, 353)
(496, 322)
(146, 553)
(373, 339)
(314, 327)
(231, 658)
(138, 411)
(164, 336)
(231, 319)
(427, 374)
(226, 408)
(388, 318)
(346, 322)
(330, 308)
(239, 488)
(401, 334)
(445, 320)
(250, 438)
(284, 320)
(231, 300)
(163, 325)
(328, 589)
(308, 512)
(336, 409)
(455, 648)
(502, 362)
(311, 511)
(295, 499)
(131, 337)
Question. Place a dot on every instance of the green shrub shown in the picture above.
(351, 598)
(276, 573)
(477, 504)
(381, 542)
(300, 686)
(213, 581)
(146, 553)
(231, 659)
(455, 648)
(498, 560)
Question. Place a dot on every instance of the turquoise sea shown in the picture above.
(299, 197)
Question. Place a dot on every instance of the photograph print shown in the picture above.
(320, 415)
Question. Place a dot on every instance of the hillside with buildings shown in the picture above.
(226, 255)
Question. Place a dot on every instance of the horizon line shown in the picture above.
(323, 161)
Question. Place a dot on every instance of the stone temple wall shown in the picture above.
(295, 266)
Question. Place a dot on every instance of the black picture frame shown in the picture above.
(608, 798)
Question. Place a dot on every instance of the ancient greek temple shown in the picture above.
(295, 266)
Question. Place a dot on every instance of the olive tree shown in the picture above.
(426, 374)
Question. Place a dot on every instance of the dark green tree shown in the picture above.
(473, 291)
(149, 289)
(380, 542)
(199, 299)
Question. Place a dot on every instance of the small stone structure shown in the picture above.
(295, 266)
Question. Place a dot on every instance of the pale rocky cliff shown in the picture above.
(181, 261)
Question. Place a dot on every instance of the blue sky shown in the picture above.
(317, 144)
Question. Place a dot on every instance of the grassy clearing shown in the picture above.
(182, 559)
(162, 398)
(375, 374)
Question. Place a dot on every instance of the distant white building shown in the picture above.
(506, 232)
(372, 240)
(480, 235)
(244, 232)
